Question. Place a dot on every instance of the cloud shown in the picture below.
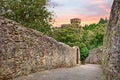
(54, 4)
(65, 19)
(90, 11)
(96, 7)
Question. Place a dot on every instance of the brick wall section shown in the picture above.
(24, 51)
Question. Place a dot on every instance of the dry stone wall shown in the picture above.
(95, 56)
(112, 53)
(24, 51)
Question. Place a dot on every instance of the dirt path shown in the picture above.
(83, 72)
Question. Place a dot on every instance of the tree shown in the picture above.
(86, 38)
(103, 21)
(32, 13)
(84, 52)
(106, 20)
(93, 36)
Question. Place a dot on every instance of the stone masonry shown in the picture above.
(113, 43)
(95, 56)
(24, 51)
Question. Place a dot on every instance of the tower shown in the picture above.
(75, 21)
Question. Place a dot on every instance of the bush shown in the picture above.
(84, 52)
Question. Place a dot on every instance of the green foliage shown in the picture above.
(87, 38)
(93, 36)
(82, 45)
(68, 35)
(90, 27)
(103, 21)
(32, 13)
(84, 52)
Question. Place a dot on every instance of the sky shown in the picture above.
(89, 11)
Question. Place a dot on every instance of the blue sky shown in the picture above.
(89, 11)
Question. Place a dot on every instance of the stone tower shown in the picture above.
(75, 21)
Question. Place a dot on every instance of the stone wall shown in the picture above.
(95, 56)
(24, 51)
(111, 55)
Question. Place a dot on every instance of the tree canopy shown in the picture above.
(87, 38)
(32, 13)
(103, 21)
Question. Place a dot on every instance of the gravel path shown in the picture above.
(83, 72)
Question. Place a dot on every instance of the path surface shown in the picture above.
(83, 72)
